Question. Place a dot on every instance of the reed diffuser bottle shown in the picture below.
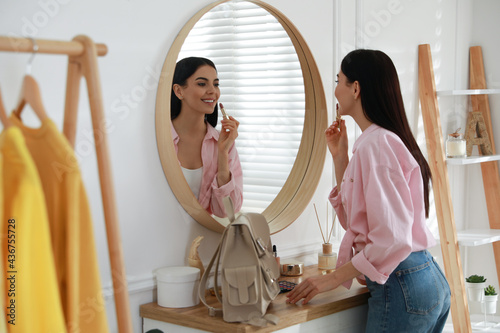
(327, 259)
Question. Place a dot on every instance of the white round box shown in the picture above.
(178, 286)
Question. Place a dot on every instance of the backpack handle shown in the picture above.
(228, 205)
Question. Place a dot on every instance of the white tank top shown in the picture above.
(193, 178)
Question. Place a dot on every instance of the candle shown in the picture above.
(456, 146)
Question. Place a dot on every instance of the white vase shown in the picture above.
(489, 306)
(475, 291)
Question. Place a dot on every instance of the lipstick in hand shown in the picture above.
(223, 111)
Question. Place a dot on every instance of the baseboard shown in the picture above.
(134, 285)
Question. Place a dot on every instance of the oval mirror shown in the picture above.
(296, 125)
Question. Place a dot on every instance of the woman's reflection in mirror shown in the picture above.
(208, 159)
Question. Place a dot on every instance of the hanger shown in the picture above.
(3, 115)
(30, 92)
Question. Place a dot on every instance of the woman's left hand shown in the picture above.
(228, 134)
(311, 287)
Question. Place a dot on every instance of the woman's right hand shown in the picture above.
(336, 139)
(228, 134)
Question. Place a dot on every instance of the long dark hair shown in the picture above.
(382, 101)
(183, 70)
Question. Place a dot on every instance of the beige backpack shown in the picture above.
(249, 272)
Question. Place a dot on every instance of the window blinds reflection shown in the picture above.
(261, 86)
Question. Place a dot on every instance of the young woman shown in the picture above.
(208, 159)
(382, 201)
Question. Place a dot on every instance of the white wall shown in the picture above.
(155, 230)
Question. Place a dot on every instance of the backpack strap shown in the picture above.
(263, 321)
(203, 283)
(228, 205)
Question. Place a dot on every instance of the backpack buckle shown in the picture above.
(261, 246)
(211, 312)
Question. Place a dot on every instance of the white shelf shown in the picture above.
(472, 159)
(467, 92)
(476, 237)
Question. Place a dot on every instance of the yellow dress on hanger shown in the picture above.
(3, 293)
(32, 302)
(70, 227)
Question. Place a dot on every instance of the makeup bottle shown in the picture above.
(275, 254)
(327, 259)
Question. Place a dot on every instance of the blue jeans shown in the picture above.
(415, 298)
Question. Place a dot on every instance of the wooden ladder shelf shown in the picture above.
(440, 180)
(491, 178)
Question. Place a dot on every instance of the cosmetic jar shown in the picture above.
(292, 268)
(177, 286)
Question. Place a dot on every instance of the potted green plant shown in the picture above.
(475, 287)
(490, 300)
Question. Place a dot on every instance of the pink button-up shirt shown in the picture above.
(380, 205)
(211, 194)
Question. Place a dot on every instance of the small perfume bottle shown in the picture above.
(275, 254)
(327, 259)
(456, 146)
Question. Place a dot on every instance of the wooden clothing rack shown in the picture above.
(82, 62)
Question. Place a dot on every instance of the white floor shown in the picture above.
(477, 323)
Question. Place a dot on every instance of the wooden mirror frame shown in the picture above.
(304, 177)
